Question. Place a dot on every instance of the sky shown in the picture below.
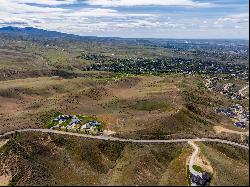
(132, 18)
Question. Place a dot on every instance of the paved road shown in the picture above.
(191, 162)
(110, 138)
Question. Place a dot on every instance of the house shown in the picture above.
(206, 176)
(202, 180)
(91, 125)
(94, 123)
(61, 118)
(245, 114)
(75, 121)
(229, 113)
(240, 124)
(218, 110)
(239, 97)
(85, 126)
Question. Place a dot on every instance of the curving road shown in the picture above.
(191, 162)
(110, 138)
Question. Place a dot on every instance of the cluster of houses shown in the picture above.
(200, 180)
(237, 113)
(228, 89)
(75, 123)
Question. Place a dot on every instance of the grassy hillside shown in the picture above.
(42, 159)
(132, 106)
(230, 164)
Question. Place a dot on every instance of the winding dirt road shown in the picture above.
(110, 138)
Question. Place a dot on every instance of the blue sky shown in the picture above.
(132, 18)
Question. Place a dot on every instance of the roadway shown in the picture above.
(110, 138)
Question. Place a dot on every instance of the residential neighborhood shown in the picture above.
(183, 65)
(237, 113)
(238, 93)
(228, 89)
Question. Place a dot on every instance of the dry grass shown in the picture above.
(230, 164)
(131, 106)
(59, 160)
(175, 175)
(24, 101)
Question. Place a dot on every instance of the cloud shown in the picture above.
(104, 12)
(237, 27)
(45, 2)
(236, 18)
(80, 20)
(16, 7)
(111, 18)
(117, 3)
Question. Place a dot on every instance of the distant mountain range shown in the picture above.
(29, 31)
(41, 35)
(34, 32)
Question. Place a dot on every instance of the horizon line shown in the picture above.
(129, 37)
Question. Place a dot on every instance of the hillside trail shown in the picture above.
(220, 129)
